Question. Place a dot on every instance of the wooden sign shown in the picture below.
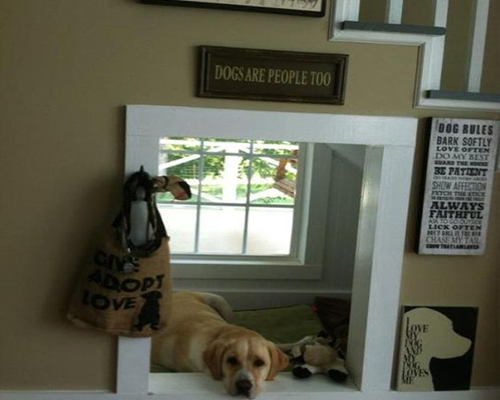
(272, 75)
(460, 170)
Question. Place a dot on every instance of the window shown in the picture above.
(243, 201)
(257, 211)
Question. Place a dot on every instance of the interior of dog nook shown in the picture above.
(357, 170)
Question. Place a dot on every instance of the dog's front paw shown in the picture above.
(337, 376)
(301, 372)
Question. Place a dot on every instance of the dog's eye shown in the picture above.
(258, 362)
(232, 361)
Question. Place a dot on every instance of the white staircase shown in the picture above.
(346, 26)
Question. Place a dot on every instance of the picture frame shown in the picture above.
(436, 348)
(272, 75)
(305, 8)
(459, 177)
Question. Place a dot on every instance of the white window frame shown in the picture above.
(388, 164)
(300, 263)
(245, 204)
(306, 260)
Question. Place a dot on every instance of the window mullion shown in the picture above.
(201, 173)
(298, 206)
(247, 203)
(225, 153)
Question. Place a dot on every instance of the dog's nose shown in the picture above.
(244, 386)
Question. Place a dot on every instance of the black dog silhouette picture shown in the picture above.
(437, 348)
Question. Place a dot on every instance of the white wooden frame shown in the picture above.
(306, 259)
(244, 204)
(431, 49)
(382, 221)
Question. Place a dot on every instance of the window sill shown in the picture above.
(251, 269)
(200, 386)
(193, 384)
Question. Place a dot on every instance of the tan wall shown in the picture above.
(66, 70)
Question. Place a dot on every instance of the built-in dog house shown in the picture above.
(369, 162)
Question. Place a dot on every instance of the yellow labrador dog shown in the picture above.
(201, 339)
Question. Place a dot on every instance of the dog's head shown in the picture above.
(243, 365)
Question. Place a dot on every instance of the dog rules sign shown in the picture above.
(460, 169)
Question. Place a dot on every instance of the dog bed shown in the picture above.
(280, 325)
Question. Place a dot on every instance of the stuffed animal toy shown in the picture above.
(317, 355)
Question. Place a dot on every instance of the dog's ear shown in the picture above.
(279, 361)
(212, 357)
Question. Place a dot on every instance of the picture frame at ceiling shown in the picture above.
(304, 8)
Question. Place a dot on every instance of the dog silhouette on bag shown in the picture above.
(150, 311)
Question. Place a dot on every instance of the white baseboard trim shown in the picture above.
(284, 388)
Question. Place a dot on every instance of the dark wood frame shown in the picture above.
(339, 61)
(242, 7)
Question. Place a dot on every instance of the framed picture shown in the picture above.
(270, 75)
(307, 8)
(458, 186)
(436, 348)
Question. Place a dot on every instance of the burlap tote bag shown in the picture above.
(125, 289)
